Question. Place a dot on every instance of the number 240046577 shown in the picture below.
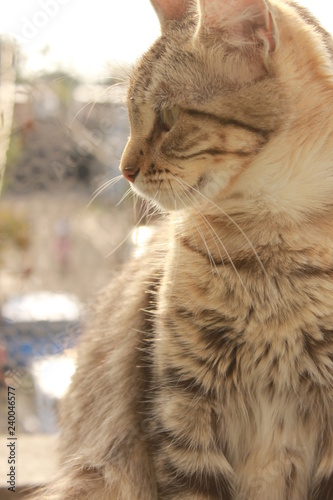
(11, 410)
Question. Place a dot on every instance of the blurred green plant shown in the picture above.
(14, 153)
(14, 230)
(14, 149)
(63, 84)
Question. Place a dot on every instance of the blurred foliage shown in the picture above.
(15, 149)
(14, 229)
(63, 84)
(14, 153)
(112, 80)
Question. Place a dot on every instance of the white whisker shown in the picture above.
(225, 250)
(211, 259)
(232, 221)
(129, 190)
(108, 184)
(175, 269)
(130, 233)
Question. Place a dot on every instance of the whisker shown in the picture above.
(148, 210)
(124, 239)
(229, 218)
(234, 223)
(129, 191)
(103, 187)
(124, 68)
(130, 232)
(175, 268)
(69, 127)
(229, 258)
(60, 78)
(154, 210)
(212, 262)
(92, 104)
(137, 199)
(209, 228)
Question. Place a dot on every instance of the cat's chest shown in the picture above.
(223, 353)
(229, 329)
(232, 352)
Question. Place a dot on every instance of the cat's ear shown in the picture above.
(239, 16)
(170, 10)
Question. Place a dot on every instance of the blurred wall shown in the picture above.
(7, 91)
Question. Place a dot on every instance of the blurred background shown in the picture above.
(66, 224)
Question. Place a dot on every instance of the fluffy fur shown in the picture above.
(208, 370)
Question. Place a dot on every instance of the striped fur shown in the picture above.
(208, 370)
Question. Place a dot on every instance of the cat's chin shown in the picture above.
(175, 199)
(165, 199)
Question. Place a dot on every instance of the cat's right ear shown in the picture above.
(171, 10)
(236, 17)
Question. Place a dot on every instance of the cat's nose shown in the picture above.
(130, 173)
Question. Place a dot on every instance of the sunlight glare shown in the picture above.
(53, 374)
(89, 37)
(82, 37)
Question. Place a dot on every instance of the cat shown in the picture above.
(207, 370)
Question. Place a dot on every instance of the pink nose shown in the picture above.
(130, 173)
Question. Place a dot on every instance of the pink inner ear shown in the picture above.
(217, 10)
(221, 13)
(168, 10)
(268, 33)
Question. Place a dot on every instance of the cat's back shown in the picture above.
(110, 375)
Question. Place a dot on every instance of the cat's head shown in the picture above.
(220, 106)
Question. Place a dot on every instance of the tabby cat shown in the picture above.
(207, 372)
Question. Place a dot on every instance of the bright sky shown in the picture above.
(84, 36)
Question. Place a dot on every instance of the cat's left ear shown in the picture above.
(238, 16)
(170, 10)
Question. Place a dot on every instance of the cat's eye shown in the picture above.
(169, 116)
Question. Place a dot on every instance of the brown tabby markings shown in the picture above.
(208, 370)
